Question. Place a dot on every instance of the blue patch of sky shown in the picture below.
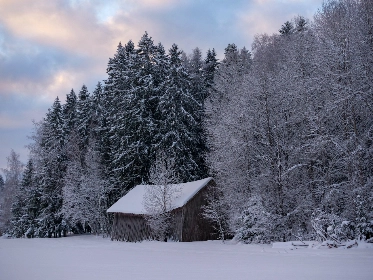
(106, 11)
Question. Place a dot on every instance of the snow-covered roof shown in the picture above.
(132, 202)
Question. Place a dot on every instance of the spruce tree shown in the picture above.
(52, 170)
(69, 113)
(26, 208)
(83, 118)
(180, 114)
(210, 66)
(112, 126)
(139, 117)
(287, 28)
(1, 182)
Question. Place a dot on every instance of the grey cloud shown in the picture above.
(21, 60)
(192, 23)
(16, 139)
(28, 66)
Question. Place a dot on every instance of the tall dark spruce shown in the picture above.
(51, 171)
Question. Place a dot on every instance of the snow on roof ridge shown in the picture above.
(132, 202)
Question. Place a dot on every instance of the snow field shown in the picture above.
(90, 257)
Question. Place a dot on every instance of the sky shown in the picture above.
(49, 47)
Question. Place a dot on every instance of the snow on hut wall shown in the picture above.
(189, 225)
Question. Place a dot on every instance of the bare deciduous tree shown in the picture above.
(159, 198)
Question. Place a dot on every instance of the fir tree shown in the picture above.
(69, 113)
(51, 172)
(83, 118)
(287, 28)
(180, 115)
(1, 182)
(26, 208)
(209, 69)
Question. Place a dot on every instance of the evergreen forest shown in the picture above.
(285, 129)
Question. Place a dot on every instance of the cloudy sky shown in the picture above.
(48, 47)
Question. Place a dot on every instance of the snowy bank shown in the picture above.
(90, 257)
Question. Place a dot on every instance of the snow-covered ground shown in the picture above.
(90, 257)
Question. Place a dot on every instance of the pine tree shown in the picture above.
(26, 208)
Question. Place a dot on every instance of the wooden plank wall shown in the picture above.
(188, 223)
(177, 225)
(195, 227)
(131, 228)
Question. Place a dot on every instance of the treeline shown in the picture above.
(291, 135)
(90, 151)
(286, 131)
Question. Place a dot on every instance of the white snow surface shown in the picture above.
(132, 202)
(90, 257)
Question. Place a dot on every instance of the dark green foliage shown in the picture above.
(180, 117)
(152, 106)
(26, 208)
(69, 113)
(149, 103)
(1, 182)
(287, 28)
(210, 67)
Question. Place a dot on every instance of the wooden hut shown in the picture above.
(188, 224)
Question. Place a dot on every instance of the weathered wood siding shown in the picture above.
(195, 227)
(188, 223)
(177, 225)
(130, 227)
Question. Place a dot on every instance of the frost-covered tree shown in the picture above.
(287, 28)
(210, 66)
(294, 130)
(149, 105)
(113, 125)
(84, 204)
(83, 120)
(160, 196)
(48, 155)
(255, 223)
(11, 188)
(26, 208)
(227, 137)
(216, 211)
(1, 182)
(69, 113)
(179, 120)
(130, 92)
